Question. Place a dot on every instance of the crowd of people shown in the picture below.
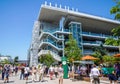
(37, 73)
(6, 70)
(110, 71)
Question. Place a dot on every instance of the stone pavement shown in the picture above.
(15, 80)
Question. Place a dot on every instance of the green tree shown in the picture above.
(5, 61)
(72, 51)
(108, 59)
(116, 11)
(112, 41)
(16, 59)
(116, 31)
(117, 59)
(46, 59)
(99, 52)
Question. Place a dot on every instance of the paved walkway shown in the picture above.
(15, 80)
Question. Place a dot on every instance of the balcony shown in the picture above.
(95, 35)
(48, 42)
(65, 31)
(56, 29)
(50, 30)
(49, 34)
(90, 43)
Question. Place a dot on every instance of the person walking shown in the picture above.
(112, 75)
(41, 73)
(34, 74)
(51, 72)
(26, 71)
(7, 71)
(117, 69)
(22, 72)
(16, 70)
(56, 71)
(46, 71)
(95, 74)
(11, 70)
(3, 72)
(60, 73)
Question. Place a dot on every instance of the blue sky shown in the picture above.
(17, 19)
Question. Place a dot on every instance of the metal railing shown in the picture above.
(48, 43)
(98, 35)
(52, 35)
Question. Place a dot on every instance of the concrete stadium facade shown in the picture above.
(54, 24)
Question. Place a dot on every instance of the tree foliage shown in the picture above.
(116, 10)
(112, 41)
(72, 51)
(116, 31)
(110, 59)
(99, 51)
(117, 59)
(107, 58)
(5, 61)
(46, 59)
(16, 59)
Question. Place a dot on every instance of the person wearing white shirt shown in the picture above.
(95, 74)
(26, 71)
(41, 72)
(51, 72)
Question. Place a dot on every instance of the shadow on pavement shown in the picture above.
(36, 81)
(104, 83)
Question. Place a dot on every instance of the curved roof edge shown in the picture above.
(75, 13)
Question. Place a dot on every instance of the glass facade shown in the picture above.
(76, 30)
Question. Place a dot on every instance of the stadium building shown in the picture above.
(55, 23)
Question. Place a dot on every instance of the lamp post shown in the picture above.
(64, 59)
(64, 63)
